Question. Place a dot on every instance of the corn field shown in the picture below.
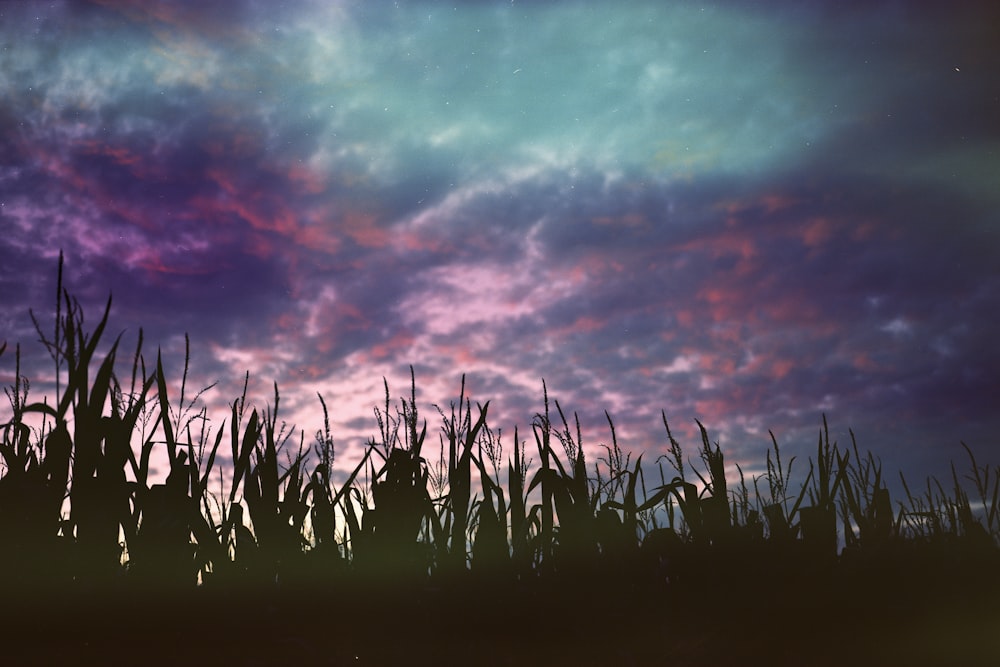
(460, 548)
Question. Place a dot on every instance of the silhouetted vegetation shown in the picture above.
(460, 548)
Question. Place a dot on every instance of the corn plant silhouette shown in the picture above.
(284, 564)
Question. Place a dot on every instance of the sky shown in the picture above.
(747, 213)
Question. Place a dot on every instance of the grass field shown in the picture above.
(467, 550)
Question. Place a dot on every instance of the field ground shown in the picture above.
(924, 626)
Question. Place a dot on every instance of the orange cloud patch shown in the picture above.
(684, 317)
(306, 180)
(776, 202)
(327, 226)
(345, 310)
(585, 324)
(411, 241)
(89, 186)
(188, 19)
(730, 243)
(816, 232)
(780, 368)
(711, 407)
(864, 362)
(397, 343)
(590, 267)
(721, 245)
(768, 204)
(463, 357)
(864, 231)
(154, 264)
(807, 317)
(262, 210)
(121, 155)
(288, 321)
(363, 228)
(724, 365)
(317, 238)
(715, 295)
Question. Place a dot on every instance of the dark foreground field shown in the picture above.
(891, 615)
(460, 552)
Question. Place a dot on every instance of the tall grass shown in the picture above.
(541, 527)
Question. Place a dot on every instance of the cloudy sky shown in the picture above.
(749, 213)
